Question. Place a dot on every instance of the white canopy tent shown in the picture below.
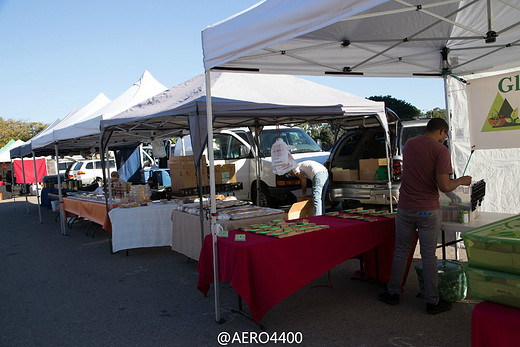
(239, 100)
(46, 140)
(384, 38)
(83, 132)
(5, 154)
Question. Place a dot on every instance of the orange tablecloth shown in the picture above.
(92, 210)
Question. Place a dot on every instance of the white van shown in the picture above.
(236, 146)
(89, 170)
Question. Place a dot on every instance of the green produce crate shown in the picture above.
(495, 246)
(452, 281)
(500, 287)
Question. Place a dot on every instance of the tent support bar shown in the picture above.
(104, 166)
(12, 181)
(25, 189)
(60, 193)
(407, 9)
(37, 192)
(213, 229)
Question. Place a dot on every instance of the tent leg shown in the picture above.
(12, 181)
(209, 114)
(60, 193)
(37, 192)
(448, 114)
(25, 188)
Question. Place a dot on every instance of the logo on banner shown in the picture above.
(502, 115)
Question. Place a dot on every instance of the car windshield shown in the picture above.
(297, 139)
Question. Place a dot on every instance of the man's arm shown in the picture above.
(303, 182)
(446, 184)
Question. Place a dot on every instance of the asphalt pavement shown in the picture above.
(71, 291)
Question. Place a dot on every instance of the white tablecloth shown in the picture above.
(144, 226)
(185, 233)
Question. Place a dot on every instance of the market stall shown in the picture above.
(263, 270)
(143, 226)
(186, 238)
(365, 38)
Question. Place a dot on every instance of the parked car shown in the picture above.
(89, 170)
(365, 143)
(236, 146)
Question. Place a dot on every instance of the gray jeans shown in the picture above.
(427, 224)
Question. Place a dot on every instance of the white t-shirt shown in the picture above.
(309, 168)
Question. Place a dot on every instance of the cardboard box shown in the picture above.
(344, 175)
(225, 174)
(371, 164)
(301, 209)
(183, 173)
(367, 175)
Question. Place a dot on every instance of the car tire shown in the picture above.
(265, 198)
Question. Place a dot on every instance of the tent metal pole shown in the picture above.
(104, 170)
(389, 174)
(257, 154)
(212, 189)
(25, 188)
(60, 193)
(448, 114)
(201, 205)
(12, 181)
(107, 163)
(37, 192)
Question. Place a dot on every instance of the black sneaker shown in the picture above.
(387, 298)
(442, 306)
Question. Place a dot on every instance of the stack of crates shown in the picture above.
(493, 269)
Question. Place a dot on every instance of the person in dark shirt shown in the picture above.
(426, 170)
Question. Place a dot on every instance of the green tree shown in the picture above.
(18, 130)
(404, 110)
(436, 113)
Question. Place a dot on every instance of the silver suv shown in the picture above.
(366, 143)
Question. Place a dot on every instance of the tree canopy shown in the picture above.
(404, 110)
(18, 130)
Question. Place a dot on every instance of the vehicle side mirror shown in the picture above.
(244, 151)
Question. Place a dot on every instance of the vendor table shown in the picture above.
(94, 211)
(185, 231)
(494, 325)
(456, 228)
(143, 226)
(264, 270)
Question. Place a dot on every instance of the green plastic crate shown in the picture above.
(452, 283)
(495, 246)
(500, 287)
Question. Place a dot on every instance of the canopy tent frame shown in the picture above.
(317, 40)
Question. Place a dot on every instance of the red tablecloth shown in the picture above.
(495, 325)
(264, 270)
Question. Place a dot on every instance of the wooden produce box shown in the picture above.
(368, 168)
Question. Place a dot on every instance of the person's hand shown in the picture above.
(465, 180)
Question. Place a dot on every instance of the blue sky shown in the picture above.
(57, 55)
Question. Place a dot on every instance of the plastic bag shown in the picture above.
(281, 158)
(158, 149)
